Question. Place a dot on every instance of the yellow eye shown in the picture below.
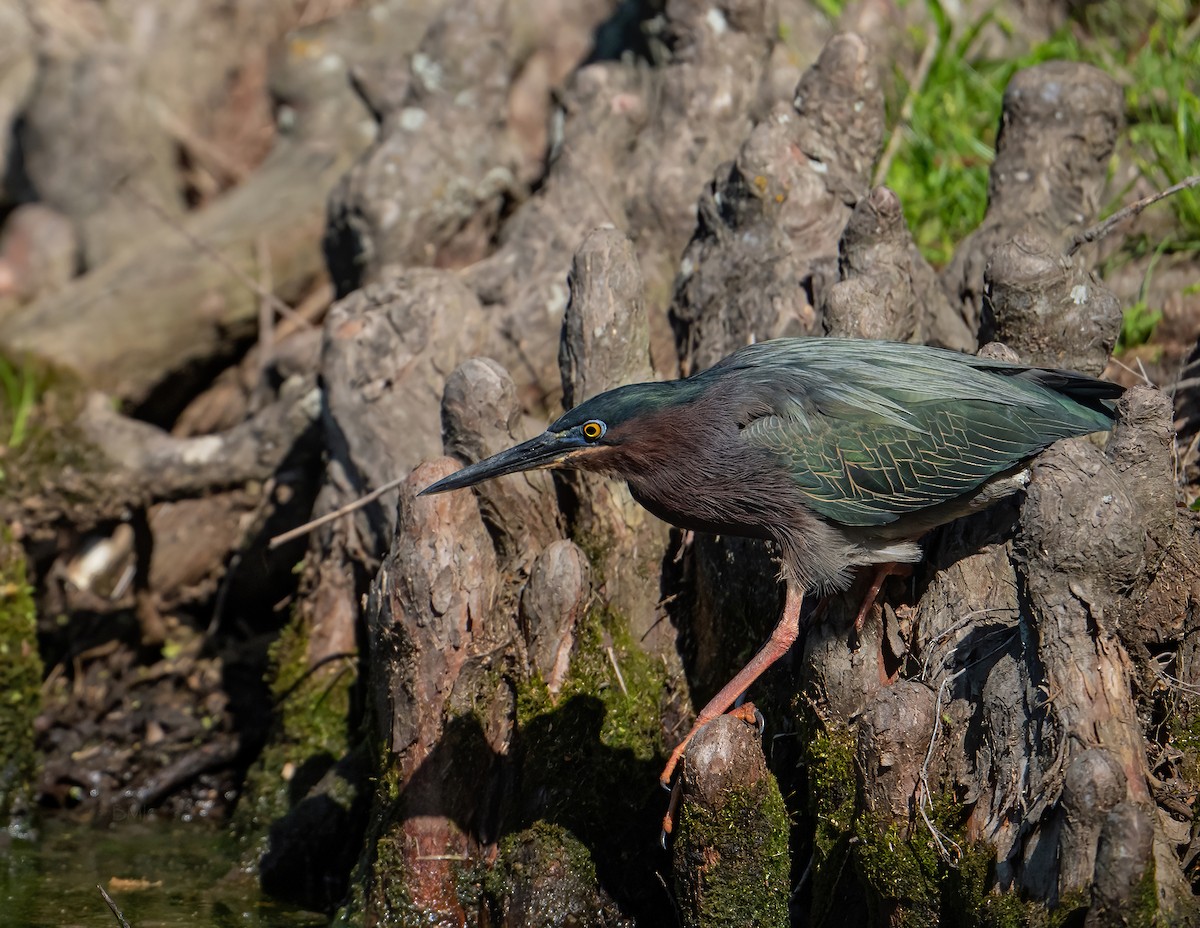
(593, 430)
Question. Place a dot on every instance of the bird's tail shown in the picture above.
(1089, 392)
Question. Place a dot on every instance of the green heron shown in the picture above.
(843, 452)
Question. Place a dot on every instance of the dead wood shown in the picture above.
(122, 96)
(1058, 128)
(773, 216)
(606, 343)
(153, 310)
(730, 852)
(38, 254)
(553, 602)
(480, 417)
(494, 617)
(1048, 308)
(634, 145)
(434, 631)
(131, 464)
(386, 354)
(886, 288)
(448, 157)
(999, 734)
(1006, 697)
(388, 350)
(18, 71)
(139, 518)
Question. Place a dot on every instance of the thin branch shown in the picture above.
(336, 514)
(266, 317)
(1142, 373)
(612, 658)
(234, 170)
(113, 907)
(959, 626)
(212, 253)
(924, 802)
(1101, 229)
(906, 110)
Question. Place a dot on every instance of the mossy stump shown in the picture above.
(731, 859)
(20, 682)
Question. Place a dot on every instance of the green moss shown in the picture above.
(545, 876)
(391, 902)
(905, 880)
(589, 758)
(629, 686)
(832, 803)
(391, 894)
(904, 872)
(537, 847)
(1183, 730)
(1143, 912)
(595, 737)
(596, 550)
(742, 866)
(39, 440)
(20, 680)
(312, 712)
(969, 899)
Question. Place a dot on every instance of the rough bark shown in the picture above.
(1008, 740)
(155, 310)
(730, 854)
(124, 94)
(480, 417)
(970, 691)
(132, 464)
(462, 135)
(556, 685)
(1058, 129)
(38, 254)
(885, 288)
(435, 636)
(606, 343)
(1047, 308)
(632, 146)
(387, 352)
(773, 216)
(18, 70)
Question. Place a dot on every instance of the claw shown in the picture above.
(750, 715)
(668, 823)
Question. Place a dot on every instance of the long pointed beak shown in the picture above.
(547, 450)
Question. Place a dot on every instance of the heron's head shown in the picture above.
(591, 436)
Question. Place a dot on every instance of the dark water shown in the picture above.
(51, 882)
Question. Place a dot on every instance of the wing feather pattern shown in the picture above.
(871, 431)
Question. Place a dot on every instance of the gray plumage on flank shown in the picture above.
(843, 451)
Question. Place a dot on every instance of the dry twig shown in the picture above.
(1099, 230)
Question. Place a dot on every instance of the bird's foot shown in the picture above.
(750, 715)
(746, 712)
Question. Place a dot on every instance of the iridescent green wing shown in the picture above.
(873, 473)
(873, 431)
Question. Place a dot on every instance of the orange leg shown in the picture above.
(781, 639)
(882, 572)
